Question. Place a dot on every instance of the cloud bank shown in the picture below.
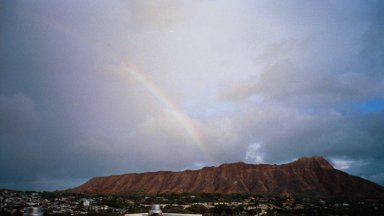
(100, 88)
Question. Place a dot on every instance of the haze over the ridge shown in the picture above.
(96, 88)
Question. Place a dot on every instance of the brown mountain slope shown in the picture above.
(312, 176)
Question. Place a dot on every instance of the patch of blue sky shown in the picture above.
(369, 106)
(364, 107)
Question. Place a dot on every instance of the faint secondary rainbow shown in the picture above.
(178, 114)
(131, 70)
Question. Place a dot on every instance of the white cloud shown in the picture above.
(342, 164)
(253, 154)
(348, 164)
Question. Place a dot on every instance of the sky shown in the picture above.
(96, 88)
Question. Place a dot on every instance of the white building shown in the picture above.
(155, 210)
(86, 203)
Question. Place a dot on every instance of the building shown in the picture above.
(155, 210)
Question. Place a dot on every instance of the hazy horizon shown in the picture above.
(96, 88)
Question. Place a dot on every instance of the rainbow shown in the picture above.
(177, 113)
(130, 69)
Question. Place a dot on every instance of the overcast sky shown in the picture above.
(93, 88)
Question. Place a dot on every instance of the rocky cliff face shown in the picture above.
(312, 176)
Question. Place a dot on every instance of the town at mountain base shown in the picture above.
(307, 176)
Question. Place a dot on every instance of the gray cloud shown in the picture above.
(213, 82)
(17, 114)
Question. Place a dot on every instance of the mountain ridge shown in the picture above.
(310, 176)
